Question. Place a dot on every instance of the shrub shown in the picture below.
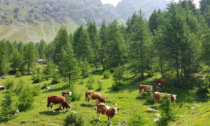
(90, 82)
(100, 85)
(44, 86)
(148, 99)
(55, 79)
(25, 99)
(115, 87)
(38, 79)
(18, 74)
(75, 97)
(167, 110)
(137, 120)
(107, 74)
(202, 92)
(9, 84)
(19, 87)
(36, 90)
(74, 119)
(8, 110)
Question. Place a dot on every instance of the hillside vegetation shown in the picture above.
(113, 60)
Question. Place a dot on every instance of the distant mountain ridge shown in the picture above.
(32, 20)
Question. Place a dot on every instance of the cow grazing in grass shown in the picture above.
(93, 95)
(106, 110)
(2, 88)
(146, 88)
(160, 81)
(55, 99)
(158, 95)
(66, 93)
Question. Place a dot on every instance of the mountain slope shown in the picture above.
(127, 7)
(24, 20)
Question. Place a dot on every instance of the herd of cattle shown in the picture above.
(100, 100)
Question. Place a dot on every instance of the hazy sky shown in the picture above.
(114, 2)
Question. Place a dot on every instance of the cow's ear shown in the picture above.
(118, 109)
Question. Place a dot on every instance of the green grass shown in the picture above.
(127, 99)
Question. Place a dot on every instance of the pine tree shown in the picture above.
(82, 45)
(140, 46)
(60, 40)
(4, 61)
(96, 43)
(30, 56)
(68, 65)
(42, 49)
(115, 47)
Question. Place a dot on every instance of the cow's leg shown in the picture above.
(87, 101)
(96, 102)
(110, 121)
(48, 104)
(98, 115)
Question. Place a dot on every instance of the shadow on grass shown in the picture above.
(88, 106)
(50, 113)
(65, 87)
(96, 122)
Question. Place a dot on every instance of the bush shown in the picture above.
(202, 92)
(38, 79)
(107, 74)
(75, 95)
(25, 99)
(74, 119)
(149, 100)
(36, 90)
(44, 86)
(19, 87)
(18, 74)
(90, 82)
(100, 85)
(167, 110)
(137, 120)
(9, 84)
(55, 79)
(7, 112)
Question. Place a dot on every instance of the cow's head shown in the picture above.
(174, 96)
(115, 110)
(70, 93)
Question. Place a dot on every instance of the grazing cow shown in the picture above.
(158, 95)
(106, 110)
(55, 99)
(66, 92)
(160, 81)
(2, 88)
(95, 96)
(146, 88)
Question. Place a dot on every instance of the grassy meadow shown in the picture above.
(189, 111)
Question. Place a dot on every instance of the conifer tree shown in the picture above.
(4, 61)
(68, 65)
(82, 45)
(30, 56)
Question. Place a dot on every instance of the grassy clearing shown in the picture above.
(127, 99)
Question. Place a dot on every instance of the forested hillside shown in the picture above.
(113, 60)
(23, 20)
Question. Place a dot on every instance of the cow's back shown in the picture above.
(56, 99)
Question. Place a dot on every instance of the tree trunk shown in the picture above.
(177, 70)
(69, 78)
(161, 67)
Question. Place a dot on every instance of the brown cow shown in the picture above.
(160, 81)
(55, 99)
(95, 96)
(106, 110)
(146, 88)
(158, 95)
(2, 88)
(66, 92)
